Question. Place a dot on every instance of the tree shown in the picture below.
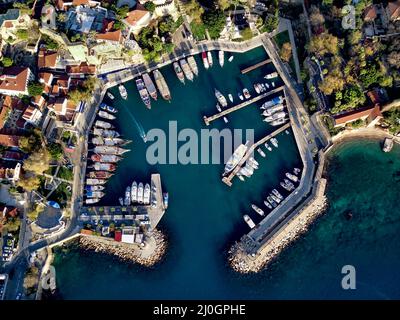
(30, 143)
(214, 21)
(271, 23)
(84, 92)
(38, 161)
(22, 34)
(194, 10)
(354, 37)
(35, 88)
(55, 150)
(167, 25)
(223, 4)
(7, 62)
(29, 183)
(332, 82)
(121, 12)
(323, 44)
(286, 52)
(393, 59)
(61, 17)
(246, 33)
(150, 6)
(316, 18)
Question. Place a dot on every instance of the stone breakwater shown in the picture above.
(149, 255)
(241, 262)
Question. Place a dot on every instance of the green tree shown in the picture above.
(194, 10)
(35, 88)
(150, 6)
(271, 23)
(29, 183)
(55, 150)
(84, 92)
(7, 62)
(246, 33)
(38, 161)
(167, 25)
(323, 44)
(223, 4)
(214, 21)
(122, 12)
(22, 34)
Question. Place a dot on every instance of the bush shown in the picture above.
(7, 62)
(22, 34)
(55, 150)
(35, 88)
(150, 6)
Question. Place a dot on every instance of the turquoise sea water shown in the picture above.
(205, 216)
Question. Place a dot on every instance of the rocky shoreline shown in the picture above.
(128, 252)
(243, 263)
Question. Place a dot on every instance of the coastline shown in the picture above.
(366, 133)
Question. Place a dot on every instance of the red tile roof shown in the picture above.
(83, 68)
(110, 36)
(47, 59)
(14, 79)
(134, 16)
(370, 13)
(86, 232)
(394, 9)
(12, 155)
(354, 115)
(9, 140)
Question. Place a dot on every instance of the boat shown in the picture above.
(165, 199)
(106, 115)
(178, 72)
(235, 158)
(230, 59)
(94, 188)
(256, 87)
(296, 171)
(257, 209)
(271, 110)
(263, 89)
(127, 199)
(230, 97)
(252, 164)
(273, 84)
(262, 153)
(245, 172)
(252, 160)
(92, 182)
(134, 192)
(108, 141)
(278, 122)
(144, 95)
(249, 168)
(277, 194)
(210, 58)
(271, 75)
(218, 107)
(95, 194)
(287, 132)
(271, 201)
(249, 222)
(151, 88)
(186, 69)
(110, 95)
(109, 158)
(272, 102)
(246, 93)
(289, 183)
(267, 204)
(221, 99)
(162, 85)
(146, 194)
(292, 177)
(123, 92)
(103, 125)
(100, 174)
(121, 201)
(105, 133)
(109, 150)
(140, 193)
(101, 166)
(267, 146)
(221, 57)
(205, 60)
(193, 65)
(92, 201)
(275, 198)
(274, 142)
(267, 85)
(275, 116)
(240, 96)
(107, 108)
(285, 186)
(240, 176)
(387, 145)
(225, 119)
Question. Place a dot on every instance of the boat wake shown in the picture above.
(139, 127)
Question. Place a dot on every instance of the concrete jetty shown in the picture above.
(257, 65)
(208, 120)
(228, 179)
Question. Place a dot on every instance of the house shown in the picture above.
(118, 235)
(137, 19)
(32, 115)
(9, 141)
(81, 70)
(111, 36)
(65, 5)
(370, 114)
(63, 108)
(47, 59)
(14, 81)
(370, 14)
(61, 85)
(393, 11)
(48, 17)
(10, 114)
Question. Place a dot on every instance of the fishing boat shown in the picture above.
(151, 88)
(263, 89)
(267, 204)
(246, 93)
(210, 58)
(285, 186)
(121, 201)
(100, 174)
(110, 150)
(95, 194)
(274, 142)
(240, 96)
(108, 158)
(134, 192)
(267, 146)
(296, 171)
(94, 188)
(249, 168)
(230, 59)
(289, 183)
(278, 122)
(140, 193)
(292, 177)
(105, 133)
(257, 209)
(106, 115)
(262, 153)
(218, 107)
(230, 97)
(245, 172)
(267, 85)
(165, 199)
(178, 72)
(127, 199)
(102, 166)
(103, 125)
(110, 95)
(272, 102)
(123, 92)
(205, 60)
(146, 194)
(92, 182)
(271, 75)
(92, 201)
(235, 158)
(257, 88)
(221, 57)
(107, 108)
(225, 119)
(186, 69)
(249, 222)
(220, 98)
(144, 95)
(193, 65)
(162, 85)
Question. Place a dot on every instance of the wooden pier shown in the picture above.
(228, 179)
(207, 120)
(257, 65)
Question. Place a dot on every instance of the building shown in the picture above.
(79, 71)
(393, 11)
(9, 141)
(370, 115)
(137, 19)
(128, 235)
(10, 113)
(14, 81)
(370, 13)
(32, 115)
(47, 59)
(63, 108)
